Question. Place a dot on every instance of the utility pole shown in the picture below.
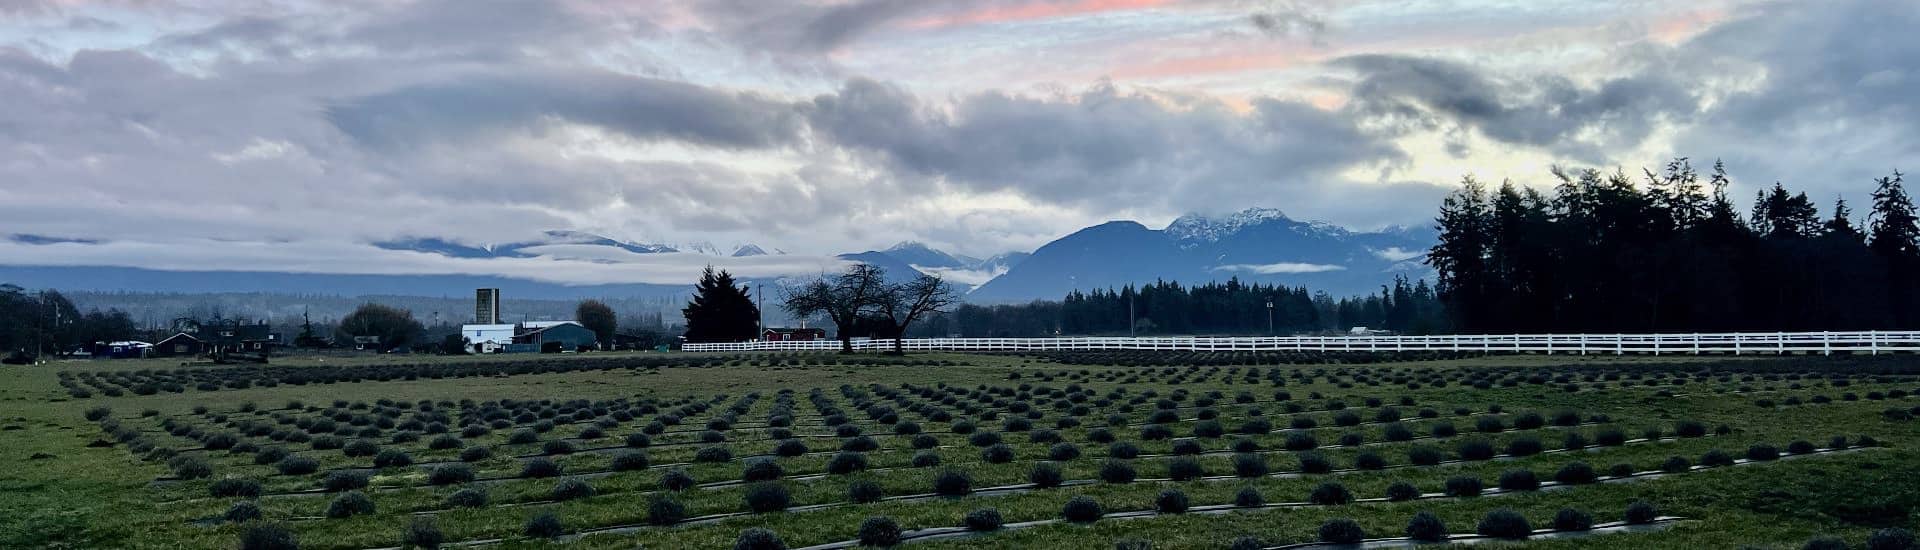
(1130, 322)
(760, 308)
(40, 326)
(1270, 316)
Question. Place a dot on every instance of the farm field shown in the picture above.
(1086, 450)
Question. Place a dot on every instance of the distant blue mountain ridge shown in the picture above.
(1262, 245)
(1255, 245)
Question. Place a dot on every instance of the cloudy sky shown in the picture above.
(185, 134)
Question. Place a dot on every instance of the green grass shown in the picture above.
(81, 496)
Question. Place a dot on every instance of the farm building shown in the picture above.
(487, 338)
(793, 334)
(258, 338)
(124, 349)
(528, 336)
(555, 336)
(179, 345)
(195, 339)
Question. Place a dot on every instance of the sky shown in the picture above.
(288, 135)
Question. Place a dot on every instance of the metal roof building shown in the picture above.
(498, 334)
(556, 336)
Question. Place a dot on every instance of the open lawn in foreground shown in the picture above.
(1056, 450)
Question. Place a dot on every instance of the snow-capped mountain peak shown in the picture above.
(906, 245)
(919, 254)
(1256, 245)
(700, 247)
(1195, 227)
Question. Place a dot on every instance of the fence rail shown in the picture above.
(1732, 343)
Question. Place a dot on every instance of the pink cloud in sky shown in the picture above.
(1213, 56)
(1224, 62)
(1679, 27)
(1047, 9)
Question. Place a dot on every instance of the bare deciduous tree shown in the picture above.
(844, 299)
(906, 302)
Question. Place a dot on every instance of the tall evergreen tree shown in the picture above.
(1780, 215)
(1894, 229)
(720, 311)
(1684, 203)
(1722, 224)
(1606, 255)
(1895, 237)
(307, 338)
(1840, 227)
(1461, 256)
(1845, 286)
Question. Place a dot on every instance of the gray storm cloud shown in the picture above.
(645, 108)
(431, 119)
(1549, 110)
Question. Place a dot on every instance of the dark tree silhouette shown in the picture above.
(309, 338)
(393, 327)
(849, 299)
(1464, 251)
(1895, 234)
(599, 318)
(902, 304)
(1606, 255)
(1780, 216)
(1218, 308)
(109, 326)
(16, 340)
(1841, 227)
(720, 311)
(47, 323)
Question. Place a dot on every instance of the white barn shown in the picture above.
(487, 335)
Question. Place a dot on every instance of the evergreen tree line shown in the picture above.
(1668, 251)
(1214, 308)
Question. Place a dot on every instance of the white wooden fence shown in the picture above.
(1733, 343)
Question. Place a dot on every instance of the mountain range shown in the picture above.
(1257, 244)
